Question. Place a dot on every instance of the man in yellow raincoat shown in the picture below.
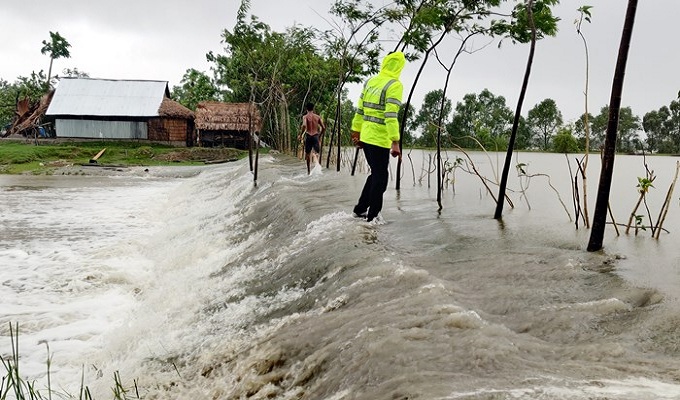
(375, 128)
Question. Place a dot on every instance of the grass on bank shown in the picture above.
(18, 157)
(15, 387)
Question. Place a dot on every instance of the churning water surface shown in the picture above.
(210, 287)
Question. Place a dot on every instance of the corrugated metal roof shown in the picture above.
(104, 97)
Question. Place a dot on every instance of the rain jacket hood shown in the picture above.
(392, 64)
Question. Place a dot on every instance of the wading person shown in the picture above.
(375, 128)
(312, 129)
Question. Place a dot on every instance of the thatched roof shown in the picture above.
(172, 109)
(216, 116)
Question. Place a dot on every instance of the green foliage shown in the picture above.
(347, 111)
(644, 184)
(585, 12)
(565, 142)
(194, 88)
(519, 27)
(584, 15)
(278, 70)
(662, 128)
(57, 47)
(427, 119)
(484, 116)
(408, 138)
(354, 49)
(579, 130)
(543, 121)
(31, 87)
(426, 20)
(628, 128)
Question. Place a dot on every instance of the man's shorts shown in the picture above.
(312, 142)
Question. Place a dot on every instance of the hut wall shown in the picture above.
(96, 129)
(157, 131)
(177, 131)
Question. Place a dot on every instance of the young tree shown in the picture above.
(353, 45)
(584, 15)
(544, 120)
(607, 171)
(57, 47)
(525, 31)
(431, 21)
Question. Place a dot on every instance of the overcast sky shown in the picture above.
(160, 40)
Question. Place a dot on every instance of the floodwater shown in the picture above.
(210, 287)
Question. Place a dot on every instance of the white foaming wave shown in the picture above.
(604, 306)
(268, 159)
(316, 170)
(67, 281)
(635, 388)
(172, 320)
(325, 228)
(466, 319)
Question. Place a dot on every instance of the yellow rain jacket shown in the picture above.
(377, 115)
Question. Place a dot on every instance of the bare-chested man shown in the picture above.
(313, 127)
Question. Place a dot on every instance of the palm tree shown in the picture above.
(57, 47)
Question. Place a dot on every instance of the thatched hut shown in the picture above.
(175, 124)
(226, 124)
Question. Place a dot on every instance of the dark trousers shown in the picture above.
(371, 198)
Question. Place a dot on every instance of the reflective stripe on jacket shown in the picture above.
(378, 106)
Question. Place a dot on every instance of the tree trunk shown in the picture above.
(339, 124)
(518, 111)
(600, 215)
(336, 125)
(49, 73)
(405, 107)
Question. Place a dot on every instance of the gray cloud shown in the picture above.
(154, 39)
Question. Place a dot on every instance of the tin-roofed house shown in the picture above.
(119, 109)
(227, 124)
